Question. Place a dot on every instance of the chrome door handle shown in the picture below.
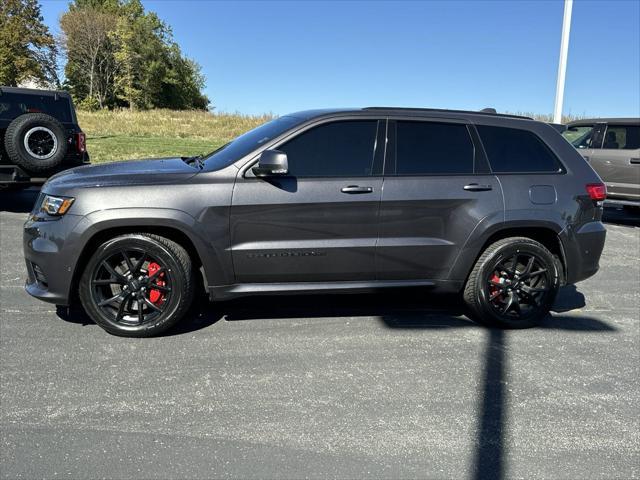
(634, 161)
(356, 189)
(475, 187)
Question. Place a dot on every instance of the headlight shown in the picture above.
(55, 205)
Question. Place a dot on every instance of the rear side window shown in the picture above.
(14, 105)
(338, 149)
(511, 150)
(622, 137)
(427, 148)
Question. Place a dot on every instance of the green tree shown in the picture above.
(144, 66)
(91, 66)
(27, 49)
(128, 59)
(183, 84)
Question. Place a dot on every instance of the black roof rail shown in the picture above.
(485, 111)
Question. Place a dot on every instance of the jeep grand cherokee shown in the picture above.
(498, 208)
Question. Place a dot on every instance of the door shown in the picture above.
(437, 189)
(319, 222)
(618, 161)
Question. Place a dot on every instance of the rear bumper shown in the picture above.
(582, 250)
(14, 174)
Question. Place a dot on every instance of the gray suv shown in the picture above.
(498, 208)
(612, 147)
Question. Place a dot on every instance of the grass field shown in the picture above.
(122, 135)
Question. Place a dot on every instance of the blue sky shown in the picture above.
(279, 57)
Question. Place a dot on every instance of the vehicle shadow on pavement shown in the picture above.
(414, 310)
(490, 449)
(407, 309)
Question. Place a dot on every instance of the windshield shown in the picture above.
(248, 142)
(579, 136)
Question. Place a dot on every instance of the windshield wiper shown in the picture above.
(195, 160)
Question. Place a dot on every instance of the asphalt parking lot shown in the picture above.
(389, 385)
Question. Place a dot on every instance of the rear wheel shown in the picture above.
(513, 284)
(137, 285)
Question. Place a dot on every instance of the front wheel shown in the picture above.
(137, 285)
(513, 284)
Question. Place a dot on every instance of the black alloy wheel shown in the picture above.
(137, 285)
(131, 287)
(517, 286)
(40, 142)
(513, 284)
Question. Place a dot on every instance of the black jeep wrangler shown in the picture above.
(39, 136)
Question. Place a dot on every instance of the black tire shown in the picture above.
(502, 294)
(124, 314)
(36, 142)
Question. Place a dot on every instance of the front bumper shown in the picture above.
(582, 250)
(51, 255)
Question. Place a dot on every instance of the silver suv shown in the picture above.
(612, 147)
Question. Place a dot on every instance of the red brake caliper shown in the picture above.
(156, 296)
(493, 289)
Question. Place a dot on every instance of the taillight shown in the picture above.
(597, 191)
(81, 142)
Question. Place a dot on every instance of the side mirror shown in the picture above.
(271, 162)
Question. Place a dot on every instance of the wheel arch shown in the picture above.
(169, 227)
(546, 233)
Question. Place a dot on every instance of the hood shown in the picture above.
(132, 172)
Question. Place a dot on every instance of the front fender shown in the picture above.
(215, 261)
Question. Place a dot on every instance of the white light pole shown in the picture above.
(562, 66)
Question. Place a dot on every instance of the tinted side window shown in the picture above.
(624, 137)
(426, 148)
(514, 150)
(338, 149)
(14, 105)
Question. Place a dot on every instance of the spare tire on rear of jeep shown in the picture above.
(36, 142)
